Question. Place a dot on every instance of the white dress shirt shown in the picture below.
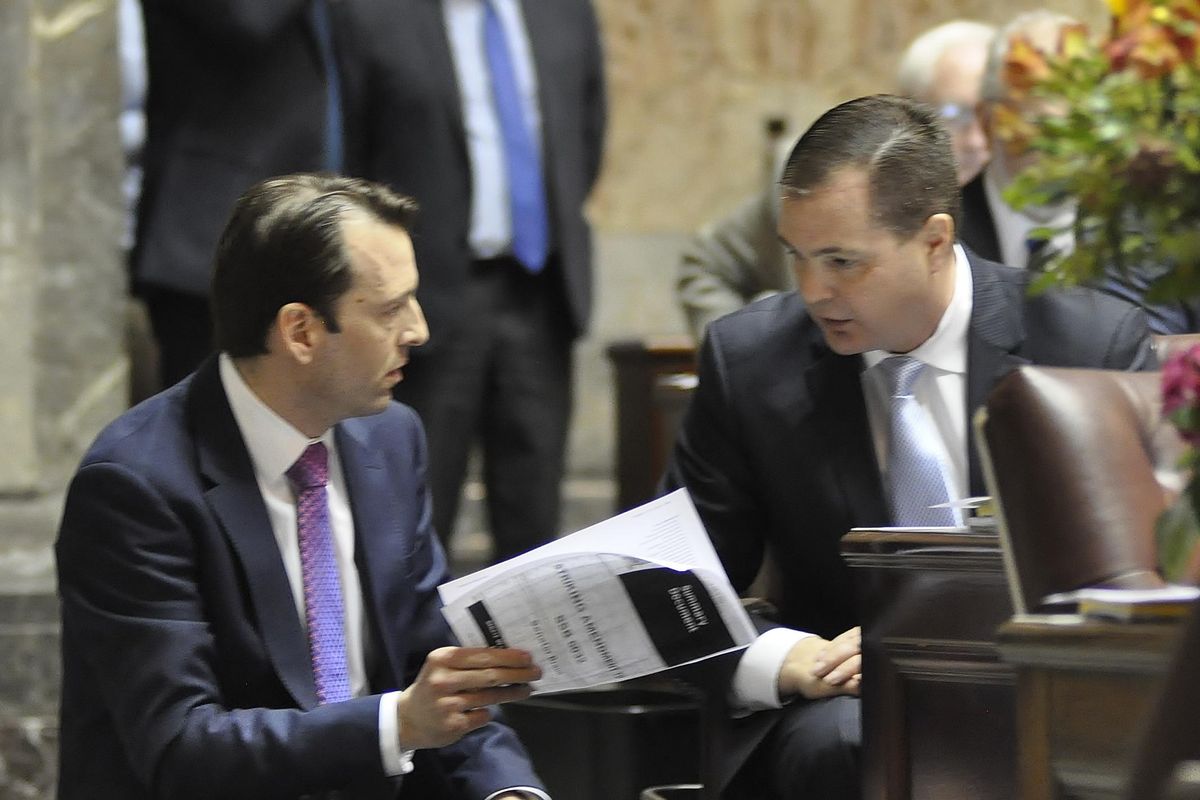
(1013, 227)
(274, 445)
(941, 390)
(491, 217)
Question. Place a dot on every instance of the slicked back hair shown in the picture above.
(899, 143)
(283, 244)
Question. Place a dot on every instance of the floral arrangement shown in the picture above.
(1118, 130)
(1178, 529)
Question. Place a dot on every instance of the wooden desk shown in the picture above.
(1084, 689)
(938, 702)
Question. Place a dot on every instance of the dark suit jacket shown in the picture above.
(407, 121)
(976, 227)
(977, 230)
(236, 94)
(185, 669)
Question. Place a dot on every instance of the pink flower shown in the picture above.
(1181, 392)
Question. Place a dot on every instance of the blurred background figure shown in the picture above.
(999, 232)
(493, 119)
(737, 259)
(239, 91)
(944, 68)
(991, 227)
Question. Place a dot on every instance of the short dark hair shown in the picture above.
(903, 148)
(283, 244)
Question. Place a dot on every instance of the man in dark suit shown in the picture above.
(239, 90)
(246, 564)
(491, 114)
(796, 432)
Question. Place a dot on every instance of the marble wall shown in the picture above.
(62, 367)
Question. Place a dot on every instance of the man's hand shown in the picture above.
(450, 696)
(818, 668)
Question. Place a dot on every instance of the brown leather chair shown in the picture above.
(1081, 464)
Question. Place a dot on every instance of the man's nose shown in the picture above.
(416, 331)
(813, 284)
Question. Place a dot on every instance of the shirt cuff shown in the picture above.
(396, 759)
(756, 681)
(528, 791)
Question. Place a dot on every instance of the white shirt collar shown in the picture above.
(273, 443)
(1013, 227)
(946, 348)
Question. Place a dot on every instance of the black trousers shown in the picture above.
(183, 328)
(812, 751)
(501, 378)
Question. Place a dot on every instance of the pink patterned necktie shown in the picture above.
(322, 586)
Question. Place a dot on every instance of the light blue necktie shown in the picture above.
(323, 29)
(323, 606)
(916, 479)
(526, 190)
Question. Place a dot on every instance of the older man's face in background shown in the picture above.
(955, 92)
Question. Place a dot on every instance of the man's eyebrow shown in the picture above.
(399, 299)
(824, 251)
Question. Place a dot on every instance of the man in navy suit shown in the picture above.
(219, 642)
(792, 439)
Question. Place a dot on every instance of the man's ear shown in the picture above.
(298, 329)
(937, 238)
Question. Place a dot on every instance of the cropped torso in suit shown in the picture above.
(186, 670)
(407, 127)
(977, 230)
(236, 94)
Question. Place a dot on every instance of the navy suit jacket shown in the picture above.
(406, 130)
(185, 669)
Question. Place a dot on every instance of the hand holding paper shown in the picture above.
(450, 696)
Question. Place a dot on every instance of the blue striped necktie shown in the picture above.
(526, 189)
(915, 475)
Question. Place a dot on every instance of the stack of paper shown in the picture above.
(1168, 602)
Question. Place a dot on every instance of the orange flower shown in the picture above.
(1013, 126)
(1024, 67)
(1073, 41)
(1135, 15)
(1155, 53)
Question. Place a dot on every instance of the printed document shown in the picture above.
(635, 594)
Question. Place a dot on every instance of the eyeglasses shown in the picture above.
(957, 115)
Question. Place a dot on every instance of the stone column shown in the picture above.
(63, 371)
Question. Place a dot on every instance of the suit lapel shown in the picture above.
(433, 40)
(993, 342)
(234, 498)
(978, 229)
(835, 386)
(377, 552)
